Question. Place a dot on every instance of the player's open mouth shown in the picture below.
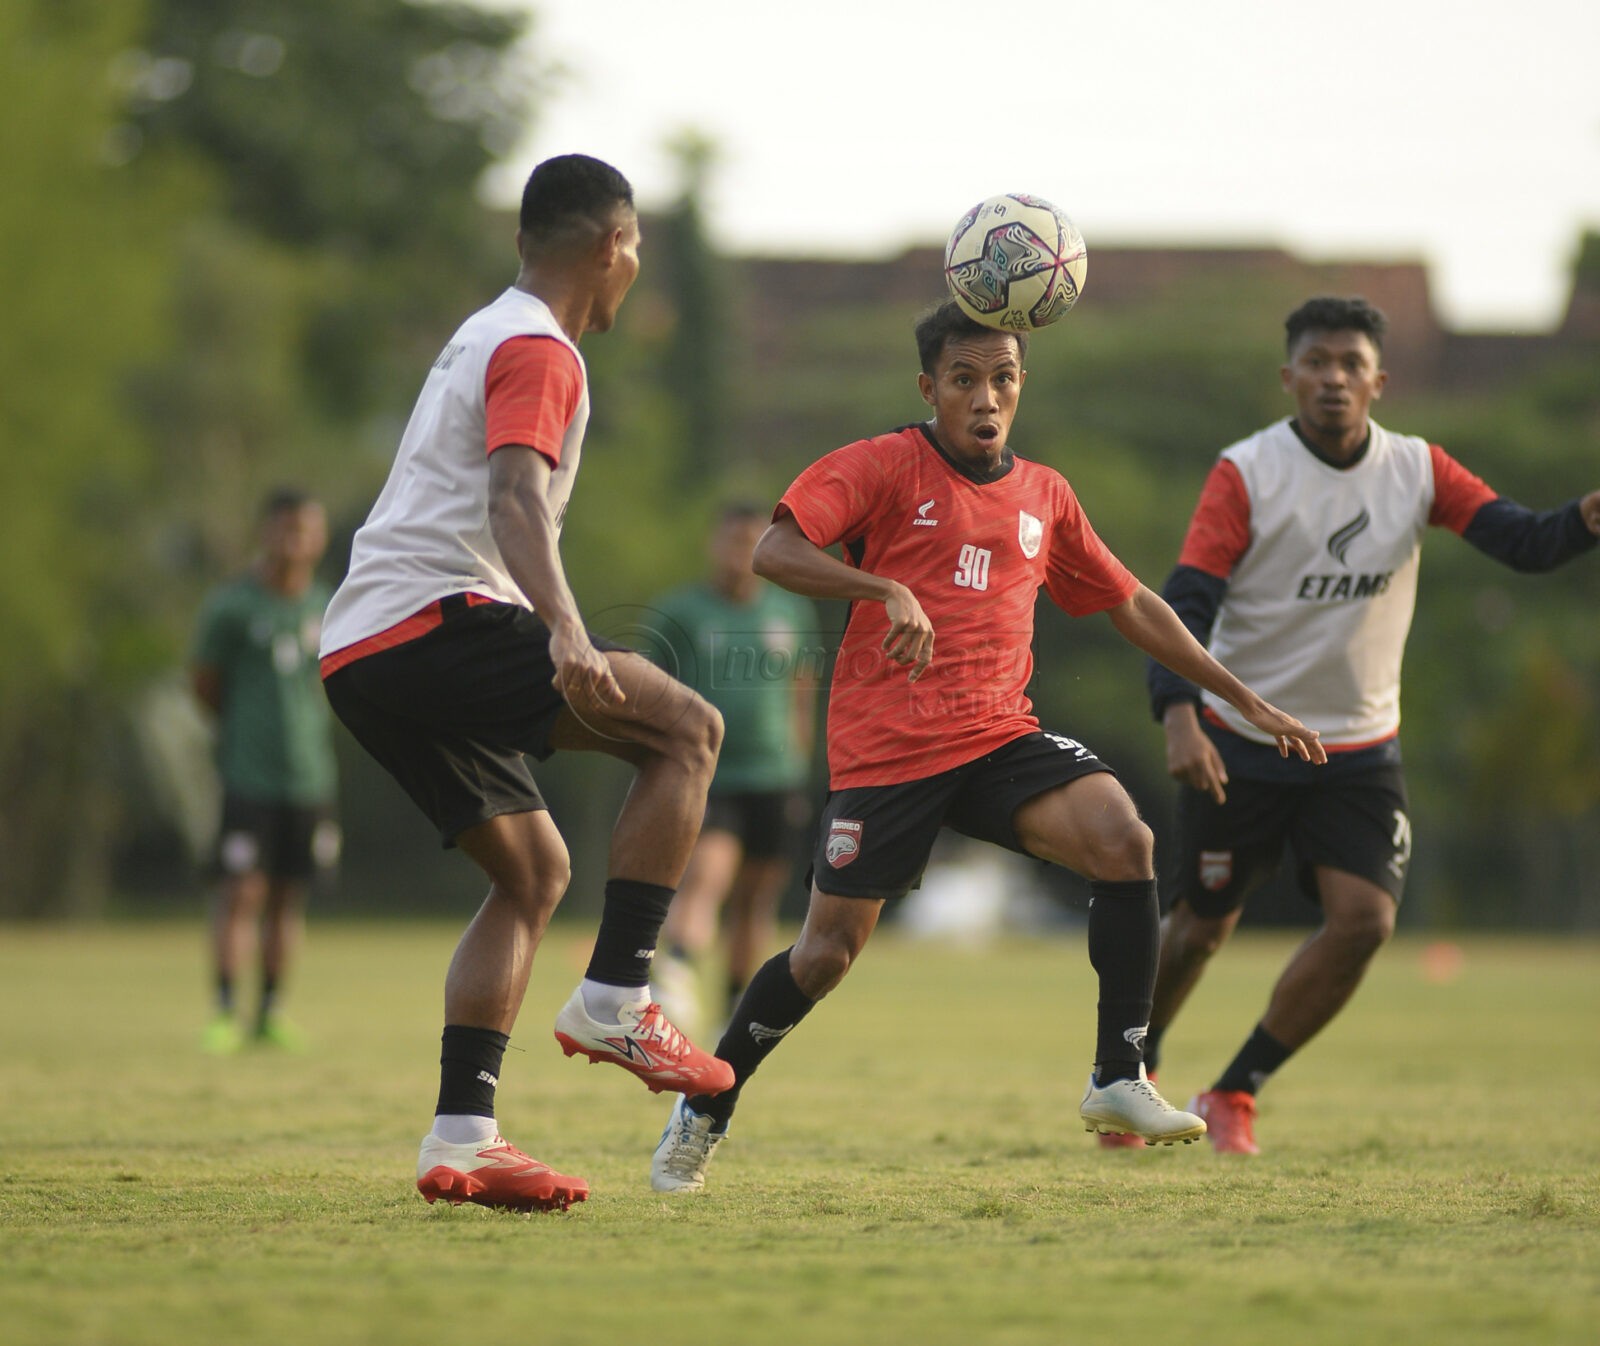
(986, 434)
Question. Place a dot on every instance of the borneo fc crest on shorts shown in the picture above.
(844, 842)
(1216, 870)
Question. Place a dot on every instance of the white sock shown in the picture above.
(457, 1128)
(604, 1003)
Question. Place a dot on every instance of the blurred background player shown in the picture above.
(254, 666)
(1299, 571)
(942, 518)
(454, 649)
(740, 642)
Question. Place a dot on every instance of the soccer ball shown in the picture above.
(1015, 262)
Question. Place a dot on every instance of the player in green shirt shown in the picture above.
(254, 667)
(752, 650)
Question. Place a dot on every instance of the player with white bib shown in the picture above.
(948, 536)
(454, 648)
(1299, 570)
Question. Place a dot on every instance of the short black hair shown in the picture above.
(569, 197)
(285, 500)
(1327, 313)
(944, 323)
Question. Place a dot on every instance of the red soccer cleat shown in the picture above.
(1230, 1116)
(645, 1043)
(495, 1174)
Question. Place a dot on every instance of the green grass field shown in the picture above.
(909, 1168)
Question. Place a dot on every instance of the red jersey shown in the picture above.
(975, 553)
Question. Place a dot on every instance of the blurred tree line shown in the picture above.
(238, 231)
(231, 229)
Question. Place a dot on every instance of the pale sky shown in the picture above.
(1463, 133)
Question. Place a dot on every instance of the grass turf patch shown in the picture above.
(909, 1167)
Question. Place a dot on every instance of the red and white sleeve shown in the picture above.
(531, 393)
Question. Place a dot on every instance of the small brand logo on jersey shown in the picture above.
(1030, 533)
(1216, 870)
(761, 1033)
(448, 356)
(844, 842)
(922, 520)
(1340, 539)
(1135, 1037)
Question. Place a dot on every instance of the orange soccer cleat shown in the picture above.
(645, 1043)
(1230, 1116)
(493, 1174)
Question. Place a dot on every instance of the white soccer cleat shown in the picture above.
(1133, 1107)
(685, 1150)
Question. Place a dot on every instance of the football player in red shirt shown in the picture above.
(947, 538)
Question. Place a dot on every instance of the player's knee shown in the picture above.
(1122, 850)
(819, 963)
(538, 895)
(1365, 930)
(536, 882)
(697, 735)
(1199, 938)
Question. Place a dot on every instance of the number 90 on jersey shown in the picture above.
(972, 567)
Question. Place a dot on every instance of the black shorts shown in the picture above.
(873, 841)
(766, 822)
(294, 842)
(1356, 821)
(451, 714)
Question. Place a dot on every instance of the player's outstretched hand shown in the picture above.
(1590, 507)
(910, 638)
(583, 675)
(1291, 735)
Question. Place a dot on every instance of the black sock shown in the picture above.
(469, 1070)
(1124, 944)
(630, 924)
(224, 993)
(771, 1005)
(269, 999)
(1253, 1066)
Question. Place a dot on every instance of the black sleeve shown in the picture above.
(1518, 537)
(1195, 596)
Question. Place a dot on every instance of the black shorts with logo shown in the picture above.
(873, 841)
(1350, 814)
(294, 842)
(451, 714)
(766, 822)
